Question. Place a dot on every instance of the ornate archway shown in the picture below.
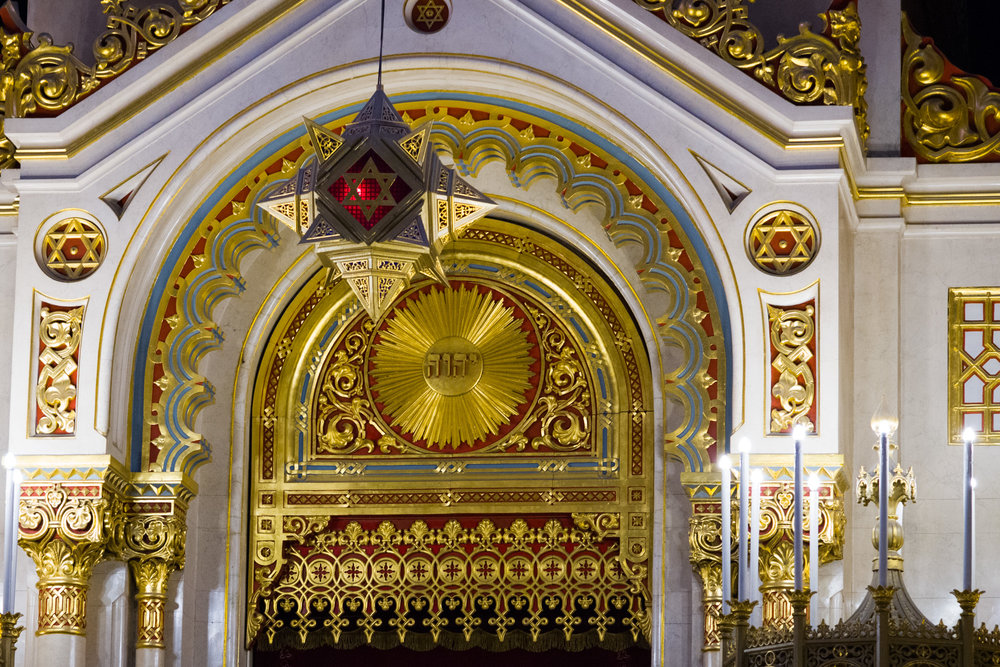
(533, 145)
(473, 469)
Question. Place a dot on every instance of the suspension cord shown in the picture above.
(381, 40)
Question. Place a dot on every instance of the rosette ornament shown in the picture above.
(377, 202)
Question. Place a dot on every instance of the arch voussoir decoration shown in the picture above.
(533, 144)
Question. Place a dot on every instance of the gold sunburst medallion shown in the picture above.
(452, 366)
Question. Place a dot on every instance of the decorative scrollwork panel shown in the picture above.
(59, 330)
(807, 68)
(450, 581)
(792, 365)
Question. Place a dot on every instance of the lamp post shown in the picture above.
(744, 492)
(798, 435)
(968, 512)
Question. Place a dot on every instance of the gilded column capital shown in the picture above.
(89, 509)
(63, 526)
(704, 540)
(153, 546)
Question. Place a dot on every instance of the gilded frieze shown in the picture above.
(450, 581)
(807, 68)
(59, 327)
(42, 78)
(948, 114)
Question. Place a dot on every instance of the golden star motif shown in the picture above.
(358, 181)
(430, 15)
(782, 243)
(74, 248)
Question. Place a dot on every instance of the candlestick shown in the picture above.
(883, 505)
(756, 476)
(968, 512)
(814, 546)
(798, 434)
(9, 553)
(744, 488)
(727, 538)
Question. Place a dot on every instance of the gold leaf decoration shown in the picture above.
(948, 115)
(808, 68)
(452, 365)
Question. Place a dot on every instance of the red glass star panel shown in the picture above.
(369, 190)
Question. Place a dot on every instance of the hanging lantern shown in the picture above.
(377, 202)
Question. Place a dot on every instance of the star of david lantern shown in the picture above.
(377, 202)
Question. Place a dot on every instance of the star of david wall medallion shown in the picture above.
(427, 16)
(782, 240)
(71, 248)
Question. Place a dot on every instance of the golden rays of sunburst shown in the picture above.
(453, 366)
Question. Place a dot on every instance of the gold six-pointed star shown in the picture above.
(73, 249)
(370, 188)
(430, 15)
(782, 243)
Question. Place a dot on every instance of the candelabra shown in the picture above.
(887, 628)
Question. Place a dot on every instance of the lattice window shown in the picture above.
(974, 363)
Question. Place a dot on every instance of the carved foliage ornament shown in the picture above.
(61, 526)
(457, 582)
(59, 331)
(807, 68)
(948, 115)
(68, 526)
(792, 384)
(468, 368)
(40, 78)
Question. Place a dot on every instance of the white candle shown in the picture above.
(727, 538)
(813, 545)
(968, 512)
(756, 477)
(743, 553)
(798, 434)
(9, 551)
(883, 505)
